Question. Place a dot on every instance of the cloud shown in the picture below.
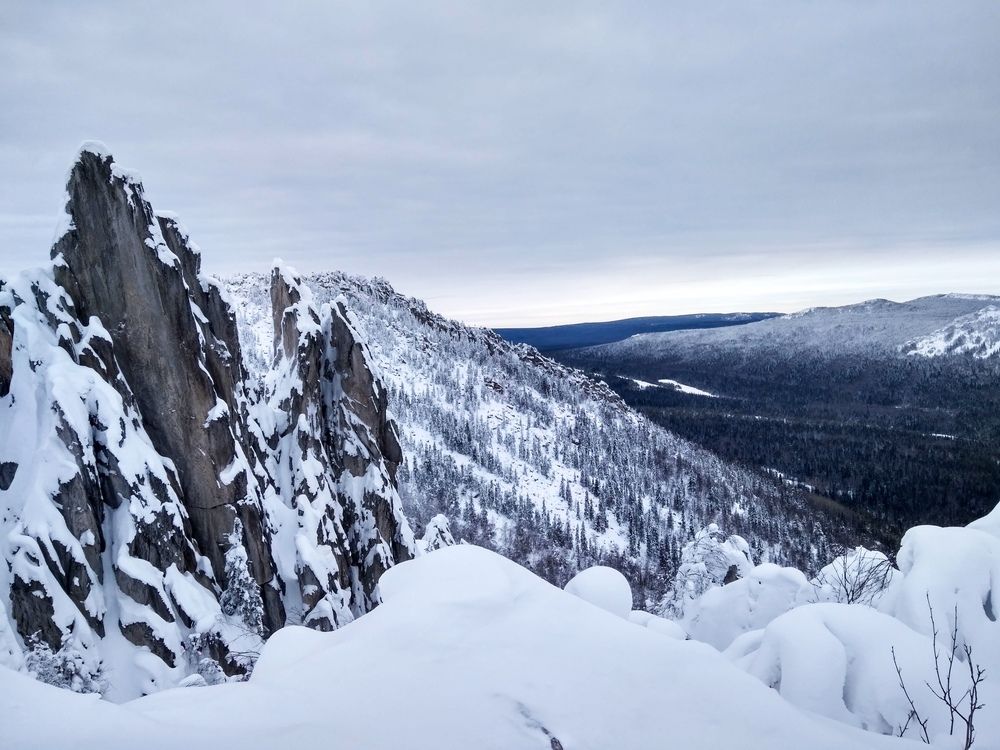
(525, 162)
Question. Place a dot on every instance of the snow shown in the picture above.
(468, 650)
(875, 326)
(603, 587)
(976, 334)
(643, 384)
(723, 613)
(827, 645)
(689, 389)
(835, 660)
(673, 384)
(657, 624)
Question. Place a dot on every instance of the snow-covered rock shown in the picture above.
(603, 587)
(836, 660)
(334, 458)
(722, 613)
(147, 532)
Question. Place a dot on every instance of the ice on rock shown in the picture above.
(603, 587)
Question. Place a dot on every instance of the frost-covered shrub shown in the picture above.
(242, 598)
(859, 576)
(66, 668)
(710, 559)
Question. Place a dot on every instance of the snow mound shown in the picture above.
(723, 613)
(836, 660)
(657, 624)
(603, 587)
(479, 652)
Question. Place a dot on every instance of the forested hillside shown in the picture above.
(839, 399)
(538, 461)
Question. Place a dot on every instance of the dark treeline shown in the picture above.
(899, 440)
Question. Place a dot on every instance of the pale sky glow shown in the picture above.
(526, 163)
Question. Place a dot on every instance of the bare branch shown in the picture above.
(914, 714)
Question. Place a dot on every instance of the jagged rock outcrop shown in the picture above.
(336, 453)
(94, 524)
(144, 491)
(118, 264)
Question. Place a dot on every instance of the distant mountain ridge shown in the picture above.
(575, 335)
(873, 325)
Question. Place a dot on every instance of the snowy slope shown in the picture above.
(481, 654)
(876, 326)
(534, 459)
(976, 334)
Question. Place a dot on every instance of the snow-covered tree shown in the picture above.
(66, 668)
(710, 559)
(241, 599)
(437, 534)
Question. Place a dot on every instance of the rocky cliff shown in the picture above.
(158, 517)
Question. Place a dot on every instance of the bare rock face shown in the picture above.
(6, 345)
(182, 362)
(336, 454)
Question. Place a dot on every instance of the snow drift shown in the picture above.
(481, 654)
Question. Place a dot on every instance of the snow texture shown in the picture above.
(511, 661)
(603, 587)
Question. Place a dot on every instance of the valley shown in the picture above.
(841, 399)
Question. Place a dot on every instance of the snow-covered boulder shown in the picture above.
(603, 587)
(722, 613)
(954, 574)
(836, 660)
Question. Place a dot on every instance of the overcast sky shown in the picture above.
(522, 164)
